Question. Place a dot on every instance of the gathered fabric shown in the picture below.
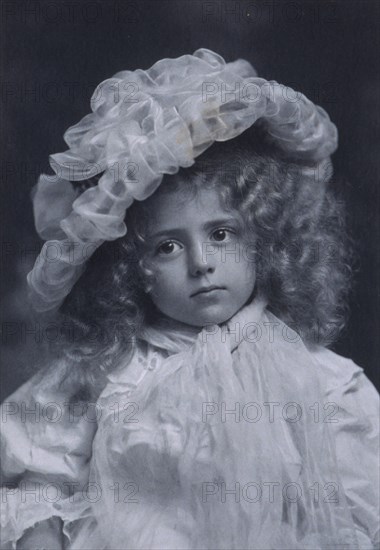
(234, 436)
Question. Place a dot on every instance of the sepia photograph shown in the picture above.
(190, 297)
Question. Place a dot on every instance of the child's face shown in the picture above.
(194, 243)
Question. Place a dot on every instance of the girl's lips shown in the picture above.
(209, 293)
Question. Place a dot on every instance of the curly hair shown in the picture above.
(303, 254)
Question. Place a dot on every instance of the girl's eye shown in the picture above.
(166, 248)
(220, 232)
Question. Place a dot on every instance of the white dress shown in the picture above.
(234, 437)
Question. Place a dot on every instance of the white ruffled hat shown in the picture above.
(145, 124)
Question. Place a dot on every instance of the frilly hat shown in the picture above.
(145, 124)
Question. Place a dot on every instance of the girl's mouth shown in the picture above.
(205, 291)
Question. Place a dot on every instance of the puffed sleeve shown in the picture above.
(46, 445)
(353, 402)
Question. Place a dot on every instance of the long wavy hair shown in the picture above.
(303, 255)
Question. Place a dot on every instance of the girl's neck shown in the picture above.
(160, 320)
(174, 336)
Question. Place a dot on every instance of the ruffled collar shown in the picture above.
(174, 337)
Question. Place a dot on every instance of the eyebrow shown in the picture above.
(206, 226)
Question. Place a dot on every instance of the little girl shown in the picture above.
(193, 403)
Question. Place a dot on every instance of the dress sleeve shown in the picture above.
(355, 426)
(46, 445)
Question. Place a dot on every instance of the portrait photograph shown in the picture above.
(190, 275)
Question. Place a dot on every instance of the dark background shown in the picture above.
(54, 53)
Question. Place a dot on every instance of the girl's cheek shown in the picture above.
(163, 275)
(235, 253)
(248, 249)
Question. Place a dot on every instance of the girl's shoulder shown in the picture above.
(346, 387)
(45, 427)
(339, 373)
(351, 405)
(132, 369)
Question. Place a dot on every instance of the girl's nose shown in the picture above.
(200, 261)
